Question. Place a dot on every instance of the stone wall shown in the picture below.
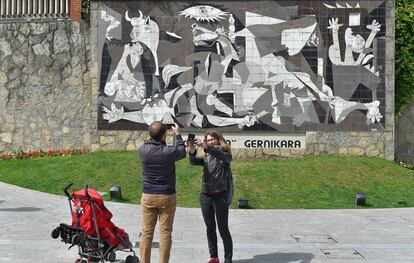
(317, 144)
(44, 85)
(404, 135)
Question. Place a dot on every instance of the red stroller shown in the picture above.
(92, 230)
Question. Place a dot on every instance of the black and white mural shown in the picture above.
(242, 65)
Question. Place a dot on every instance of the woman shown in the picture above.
(216, 191)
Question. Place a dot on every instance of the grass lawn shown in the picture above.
(311, 182)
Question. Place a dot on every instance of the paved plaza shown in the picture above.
(260, 236)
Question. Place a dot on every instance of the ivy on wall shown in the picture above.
(404, 54)
(86, 10)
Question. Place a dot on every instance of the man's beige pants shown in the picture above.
(155, 207)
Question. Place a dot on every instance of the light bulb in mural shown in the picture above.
(204, 13)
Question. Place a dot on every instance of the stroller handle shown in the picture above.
(86, 192)
(66, 189)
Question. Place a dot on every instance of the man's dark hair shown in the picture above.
(157, 130)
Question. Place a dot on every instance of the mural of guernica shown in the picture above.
(258, 65)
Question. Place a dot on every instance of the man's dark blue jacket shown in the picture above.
(158, 165)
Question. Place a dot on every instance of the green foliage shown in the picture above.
(86, 4)
(311, 182)
(404, 54)
(406, 165)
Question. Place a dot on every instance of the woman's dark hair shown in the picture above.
(219, 137)
(157, 130)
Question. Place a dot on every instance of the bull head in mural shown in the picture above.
(145, 31)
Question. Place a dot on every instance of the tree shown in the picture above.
(404, 54)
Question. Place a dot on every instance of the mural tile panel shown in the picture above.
(286, 66)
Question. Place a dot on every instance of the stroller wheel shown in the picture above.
(55, 233)
(83, 261)
(132, 259)
(129, 259)
(111, 256)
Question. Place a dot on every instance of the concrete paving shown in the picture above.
(260, 236)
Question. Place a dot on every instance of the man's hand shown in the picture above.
(175, 128)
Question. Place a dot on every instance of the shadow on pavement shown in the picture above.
(279, 258)
(20, 209)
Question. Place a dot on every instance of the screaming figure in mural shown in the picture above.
(238, 83)
(353, 43)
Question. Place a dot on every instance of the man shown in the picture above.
(158, 188)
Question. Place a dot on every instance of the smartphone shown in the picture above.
(191, 138)
(168, 125)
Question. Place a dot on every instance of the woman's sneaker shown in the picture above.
(213, 260)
